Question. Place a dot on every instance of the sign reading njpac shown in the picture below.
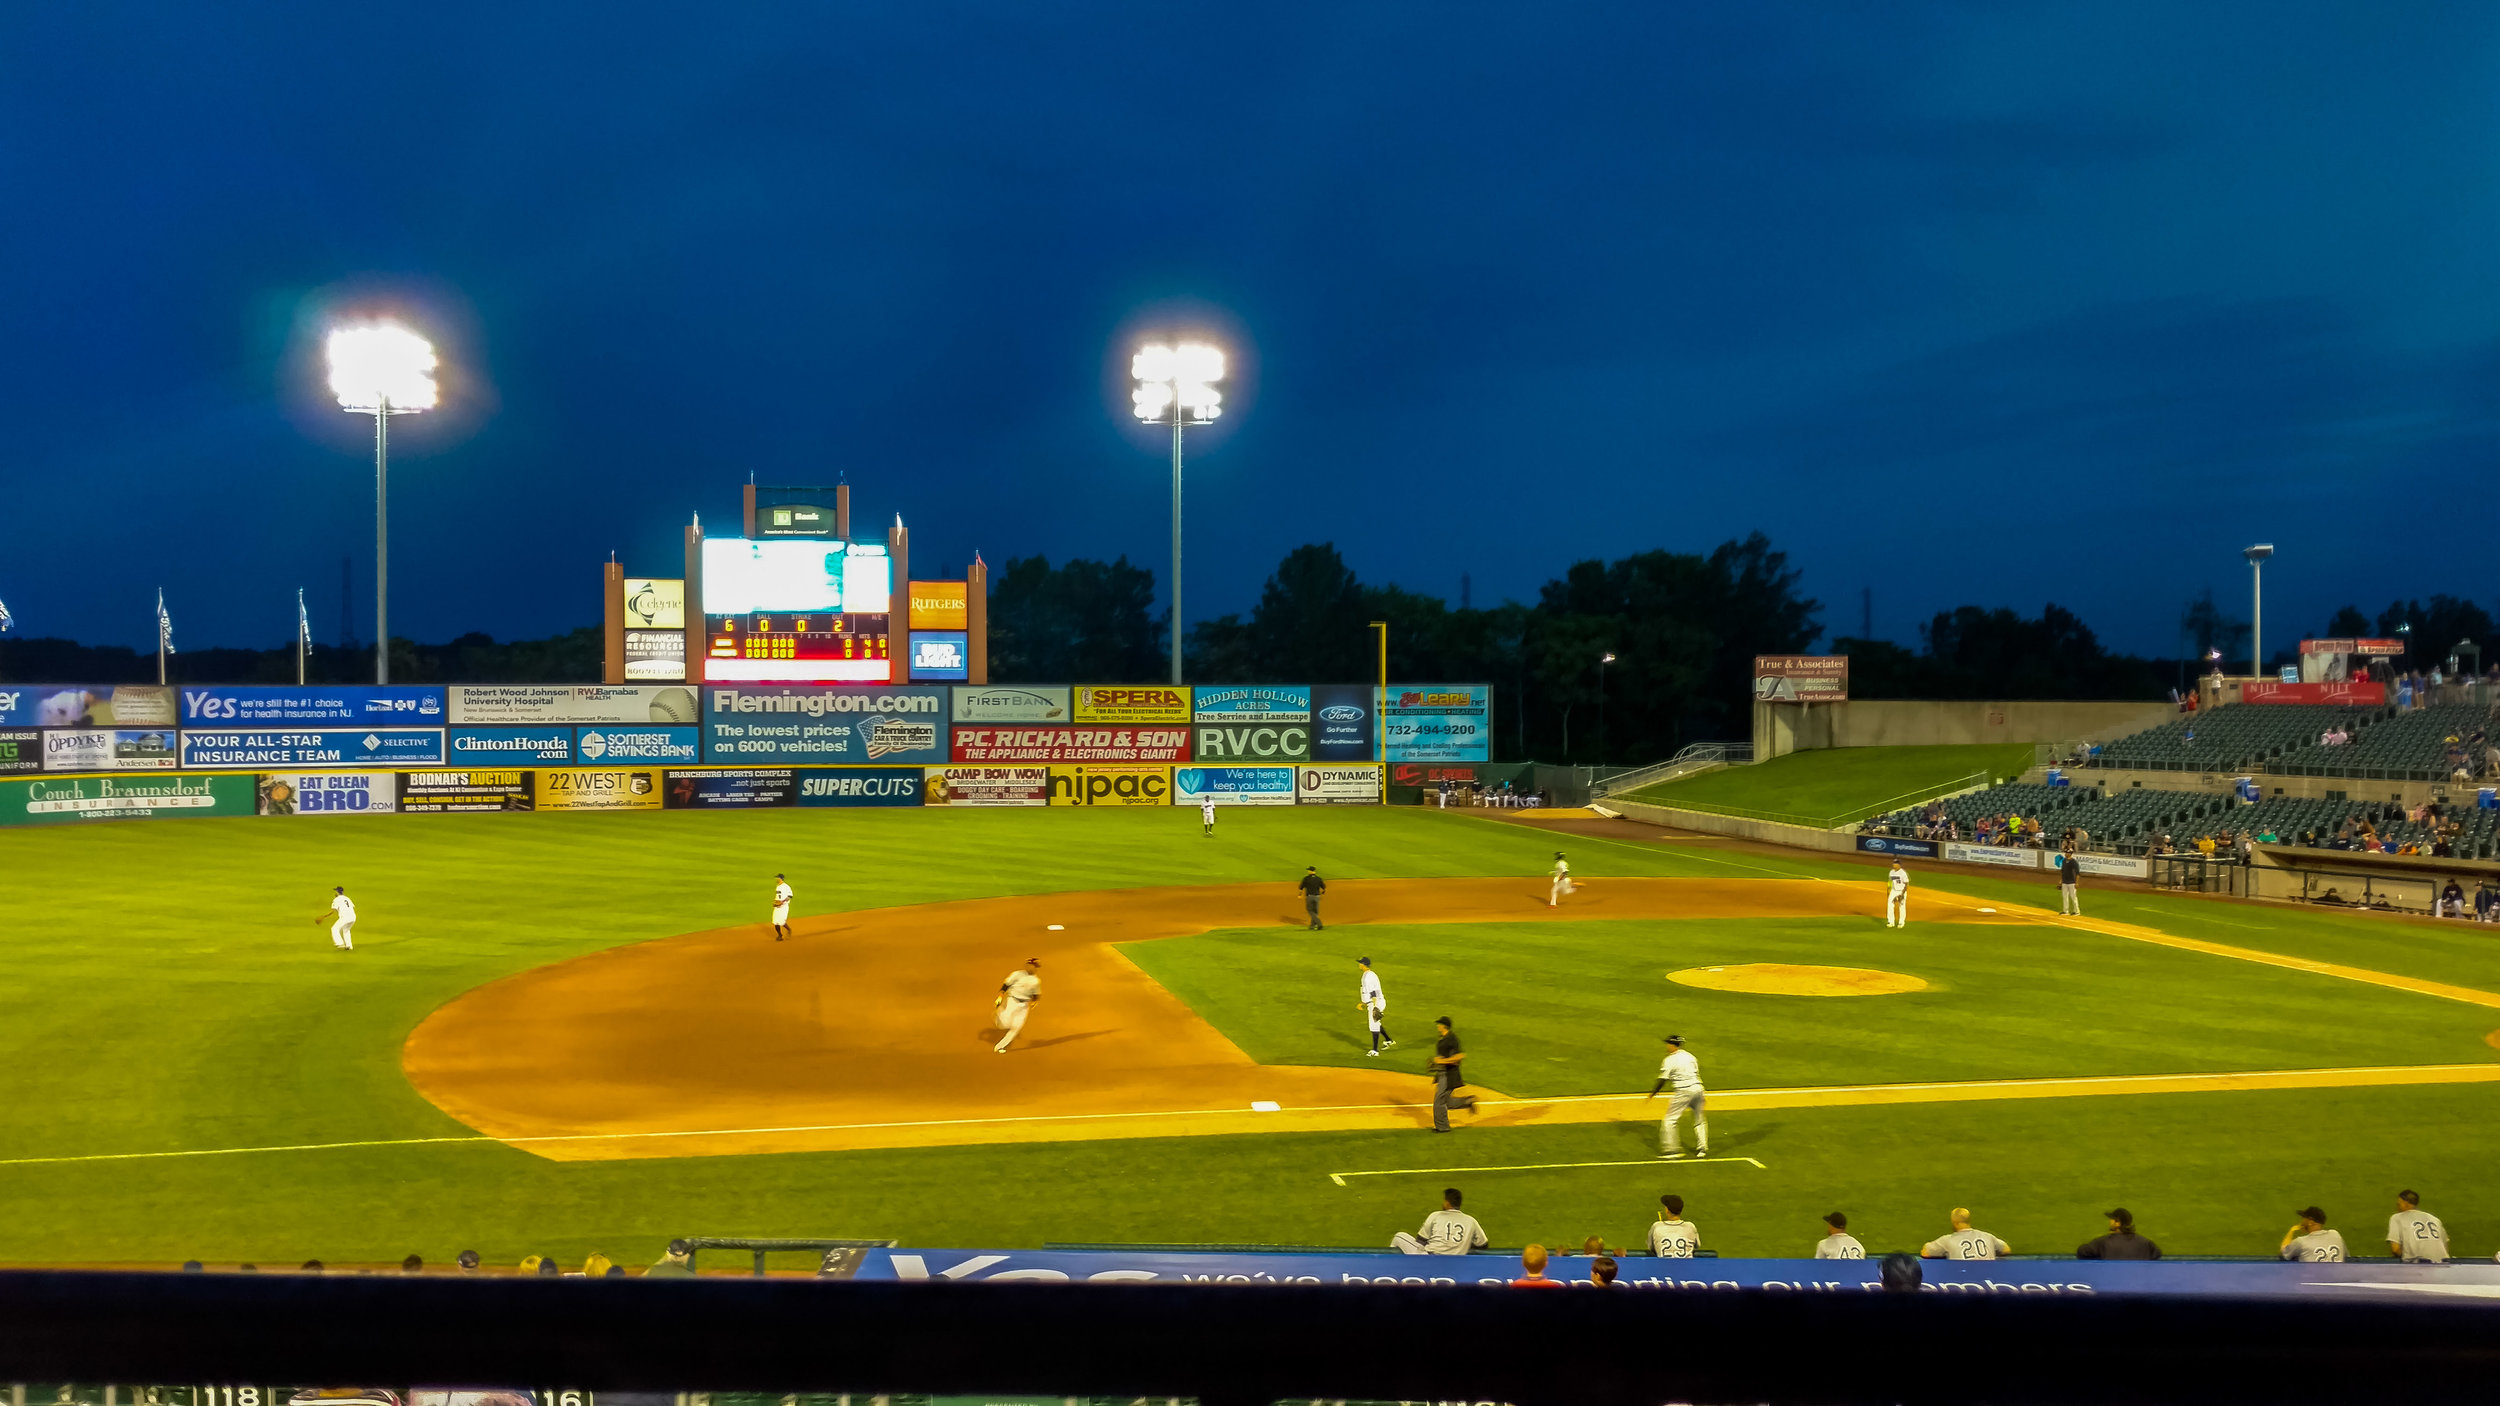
(1110, 785)
(317, 706)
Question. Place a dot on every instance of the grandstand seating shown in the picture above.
(2291, 816)
(2240, 737)
(2410, 746)
(2127, 820)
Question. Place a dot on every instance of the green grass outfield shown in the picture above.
(170, 991)
(1836, 785)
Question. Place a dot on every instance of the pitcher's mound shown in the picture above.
(1782, 979)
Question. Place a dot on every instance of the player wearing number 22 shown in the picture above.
(1680, 1074)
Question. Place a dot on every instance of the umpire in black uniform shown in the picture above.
(1446, 1079)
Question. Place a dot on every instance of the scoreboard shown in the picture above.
(796, 611)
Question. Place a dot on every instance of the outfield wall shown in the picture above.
(1782, 728)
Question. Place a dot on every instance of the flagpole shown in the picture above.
(163, 634)
(303, 635)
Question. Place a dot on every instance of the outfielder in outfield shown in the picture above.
(1016, 996)
(342, 916)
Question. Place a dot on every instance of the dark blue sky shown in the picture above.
(2002, 304)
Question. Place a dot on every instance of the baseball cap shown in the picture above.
(2313, 1213)
(2121, 1215)
(1366, 961)
(1837, 1221)
(1675, 1039)
(680, 1247)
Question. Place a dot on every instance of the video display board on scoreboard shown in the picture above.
(796, 611)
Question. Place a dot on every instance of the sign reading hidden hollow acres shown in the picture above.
(1800, 678)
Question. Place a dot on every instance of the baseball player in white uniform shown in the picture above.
(1964, 1243)
(1897, 903)
(2415, 1235)
(1680, 1074)
(1448, 1231)
(342, 917)
(1375, 1005)
(1206, 813)
(1016, 996)
(1837, 1243)
(2310, 1242)
(781, 906)
(1671, 1237)
(1562, 885)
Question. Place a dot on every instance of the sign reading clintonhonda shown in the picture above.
(509, 746)
(823, 723)
(291, 749)
(312, 706)
(519, 704)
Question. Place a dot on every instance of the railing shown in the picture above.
(1697, 756)
(1851, 816)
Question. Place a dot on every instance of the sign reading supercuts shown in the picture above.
(780, 723)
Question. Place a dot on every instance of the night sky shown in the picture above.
(1997, 304)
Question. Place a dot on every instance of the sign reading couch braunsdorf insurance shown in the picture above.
(829, 724)
(51, 799)
(1800, 678)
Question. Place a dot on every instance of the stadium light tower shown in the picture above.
(1176, 387)
(2257, 609)
(1602, 661)
(381, 369)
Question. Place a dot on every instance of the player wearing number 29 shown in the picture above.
(1672, 1237)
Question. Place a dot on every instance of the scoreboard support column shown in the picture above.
(898, 622)
(612, 588)
(977, 621)
(698, 645)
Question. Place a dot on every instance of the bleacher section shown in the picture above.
(2126, 820)
(2290, 817)
(2239, 738)
(2406, 747)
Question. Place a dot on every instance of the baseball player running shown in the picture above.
(1964, 1243)
(1375, 1005)
(1672, 1237)
(1897, 904)
(2415, 1235)
(1206, 814)
(1562, 885)
(1837, 1243)
(342, 918)
(1680, 1074)
(781, 906)
(1016, 996)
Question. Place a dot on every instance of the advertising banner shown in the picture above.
(1011, 703)
(625, 746)
(21, 749)
(862, 786)
(1047, 745)
(1132, 703)
(572, 705)
(86, 705)
(50, 800)
(1439, 722)
(1233, 785)
(940, 605)
(1907, 849)
(653, 603)
(1337, 785)
(598, 790)
(1341, 723)
(2110, 866)
(327, 793)
(1251, 742)
(832, 724)
(1800, 678)
(315, 706)
(941, 654)
(2349, 695)
(444, 792)
(117, 749)
(731, 790)
(508, 746)
(1991, 854)
(655, 654)
(342, 747)
(1110, 785)
(1246, 703)
(987, 786)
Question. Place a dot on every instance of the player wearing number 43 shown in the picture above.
(342, 920)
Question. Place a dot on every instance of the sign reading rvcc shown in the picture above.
(1800, 678)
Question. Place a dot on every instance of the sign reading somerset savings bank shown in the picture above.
(1048, 745)
(50, 800)
(290, 749)
(1800, 678)
(1439, 722)
(326, 706)
(780, 723)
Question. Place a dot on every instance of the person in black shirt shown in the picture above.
(2121, 1243)
(1446, 1081)
(1312, 887)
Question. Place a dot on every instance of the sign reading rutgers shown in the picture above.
(1070, 744)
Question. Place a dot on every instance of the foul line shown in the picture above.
(1339, 1177)
(2418, 985)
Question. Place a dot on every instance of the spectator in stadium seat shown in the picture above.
(2310, 1242)
(414, 1264)
(530, 1263)
(1602, 1272)
(548, 1268)
(2119, 1242)
(596, 1267)
(2452, 900)
(313, 1267)
(1532, 1270)
(469, 1262)
(678, 1264)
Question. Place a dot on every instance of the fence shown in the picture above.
(1854, 814)
(1694, 758)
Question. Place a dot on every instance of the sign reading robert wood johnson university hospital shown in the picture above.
(823, 723)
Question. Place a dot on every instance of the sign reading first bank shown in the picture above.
(843, 726)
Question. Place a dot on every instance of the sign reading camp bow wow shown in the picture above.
(829, 724)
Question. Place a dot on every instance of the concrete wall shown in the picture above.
(1782, 728)
(1769, 831)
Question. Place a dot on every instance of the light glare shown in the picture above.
(1177, 376)
(378, 363)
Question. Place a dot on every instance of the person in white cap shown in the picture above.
(1016, 996)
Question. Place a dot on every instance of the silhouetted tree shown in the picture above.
(1085, 622)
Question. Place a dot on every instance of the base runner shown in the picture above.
(1562, 886)
(1016, 996)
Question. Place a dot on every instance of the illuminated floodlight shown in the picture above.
(381, 367)
(1181, 376)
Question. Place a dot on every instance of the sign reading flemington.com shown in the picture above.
(1046, 745)
(54, 799)
(833, 724)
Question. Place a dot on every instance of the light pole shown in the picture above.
(381, 369)
(2257, 610)
(1602, 661)
(1176, 386)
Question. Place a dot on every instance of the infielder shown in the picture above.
(1375, 1005)
(2415, 1235)
(342, 921)
(1964, 1243)
(1206, 813)
(1016, 996)
(1561, 875)
(1897, 905)
(1672, 1237)
(1683, 1072)
(781, 906)
(1837, 1243)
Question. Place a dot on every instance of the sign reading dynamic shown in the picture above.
(1800, 678)
(799, 723)
(1439, 722)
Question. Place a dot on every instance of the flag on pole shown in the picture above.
(5, 621)
(164, 624)
(303, 622)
